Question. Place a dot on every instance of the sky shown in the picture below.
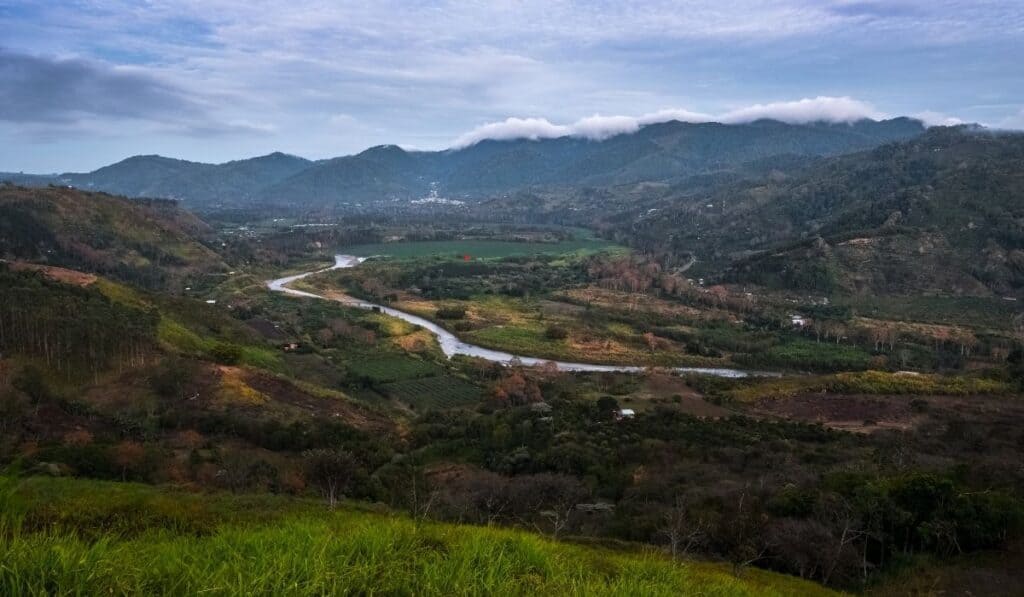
(84, 83)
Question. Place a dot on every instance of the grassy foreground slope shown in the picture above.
(75, 537)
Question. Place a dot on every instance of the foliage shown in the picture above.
(331, 472)
(130, 539)
(451, 313)
(808, 355)
(74, 330)
(390, 368)
(870, 382)
(148, 243)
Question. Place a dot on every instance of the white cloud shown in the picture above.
(425, 71)
(598, 128)
(674, 114)
(932, 118)
(513, 128)
(817, 109)
(594, 127)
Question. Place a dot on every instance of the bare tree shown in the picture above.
(683, 529)
(421, 497)
(742, 532)
(845, 527)
(558, 517)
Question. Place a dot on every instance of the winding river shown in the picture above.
(450, 343)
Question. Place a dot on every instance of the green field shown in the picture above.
(64, 537)
(478, 249)
(441, 392)
(989, 312)
(392, 368)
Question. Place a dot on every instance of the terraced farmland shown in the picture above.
(442, 392)
(392, 368)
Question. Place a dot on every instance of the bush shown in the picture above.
(451, 313)
(226, 353)
(556, 332)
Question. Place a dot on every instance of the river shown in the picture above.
(450, 343)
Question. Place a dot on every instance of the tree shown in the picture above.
(171, 379)
(226, 353)
(32, 382)
(516, 389)
(551, 497)
(556, 332)
(741, 531)
(129, 455)
(607, 407)
(78, 438)
(683, 529)
(331, 472)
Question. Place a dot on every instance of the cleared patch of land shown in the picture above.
(57, 274)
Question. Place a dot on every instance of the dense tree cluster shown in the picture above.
(73, 330)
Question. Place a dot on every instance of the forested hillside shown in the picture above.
(71, 329)
(152, 243)
(941, 212)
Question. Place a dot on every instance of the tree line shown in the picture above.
(72, 330)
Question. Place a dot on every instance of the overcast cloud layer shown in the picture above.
(88, 82)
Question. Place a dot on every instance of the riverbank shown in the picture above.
(452, 345)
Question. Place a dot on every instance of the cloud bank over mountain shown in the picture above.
(89, 81)
(598, 128)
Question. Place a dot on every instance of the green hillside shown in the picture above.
(78, 537)
(938, 213)
(150, 243)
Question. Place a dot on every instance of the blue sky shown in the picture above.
(84, 83)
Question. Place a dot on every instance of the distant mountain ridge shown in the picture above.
(669, 151)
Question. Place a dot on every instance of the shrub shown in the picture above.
(226, 353)
(556, 332)
(451, 313)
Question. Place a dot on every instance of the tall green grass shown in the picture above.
(273, 546)
(175, 336)
(12, 506)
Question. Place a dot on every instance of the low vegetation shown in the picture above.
(881, 383)
(480, 249)
(94, 538)
(848, 470)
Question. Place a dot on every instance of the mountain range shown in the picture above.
(665, 152)
(941, 212)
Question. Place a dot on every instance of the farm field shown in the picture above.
(479, 249)
(442, 392)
